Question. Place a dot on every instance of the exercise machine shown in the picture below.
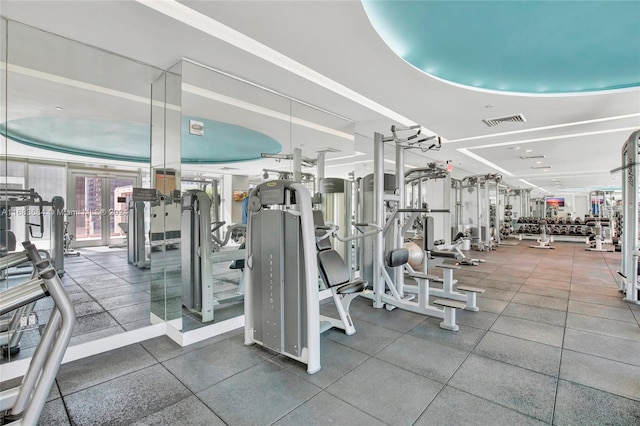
(468, 295)
(431, 186)
(457, 245)
(12, 198)
(597, 239)
(384, 261)
(68, 240)
(544, 241)
(200, 293)
(628, 274)
(284, 252)
(478, 213)
(23, 404)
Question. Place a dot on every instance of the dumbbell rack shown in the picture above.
(559, 229)
(506, 229)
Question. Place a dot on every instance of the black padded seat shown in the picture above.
(336, 274)
(446, 254)
(239, 263)
(352, 287)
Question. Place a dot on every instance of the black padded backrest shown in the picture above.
(428, 229)
(457, 237)
(323, 244)
(334, 271)
(318, 218)
(397, 257)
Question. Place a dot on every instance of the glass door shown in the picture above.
(120, 191)
(97, 210)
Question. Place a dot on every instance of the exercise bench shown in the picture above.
(444, 308)
(336, 277)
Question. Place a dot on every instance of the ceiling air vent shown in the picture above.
(491, 122)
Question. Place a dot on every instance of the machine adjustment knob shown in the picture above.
(254, 204)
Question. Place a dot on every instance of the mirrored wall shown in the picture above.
(152, 168)
(75, 142)
(233, 136)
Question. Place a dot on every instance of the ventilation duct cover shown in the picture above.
(491, 122)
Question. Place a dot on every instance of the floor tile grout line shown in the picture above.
(555, 394)
(457, 369)
(209, 387)
(64, 403)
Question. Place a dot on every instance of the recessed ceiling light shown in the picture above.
(528, 151)
(538, 162)
(59, 108)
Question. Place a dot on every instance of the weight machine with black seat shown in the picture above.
(284, 256)
(200, 293)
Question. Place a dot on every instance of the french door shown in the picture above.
(97, 206)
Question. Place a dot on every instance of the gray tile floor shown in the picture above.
(111, 296)
(553, 344)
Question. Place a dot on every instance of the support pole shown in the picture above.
(57, 229)
(297, 165)
(397, 233)
(320, 167)
(378, 205)
(630, 194)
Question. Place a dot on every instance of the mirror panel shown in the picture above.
(227, 124)
(77, 122)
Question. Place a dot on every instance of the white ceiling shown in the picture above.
(336, 40)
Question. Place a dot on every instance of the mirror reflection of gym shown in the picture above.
(78, 138)
(233, 135)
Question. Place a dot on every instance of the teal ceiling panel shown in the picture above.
(130, 141)
(516, 46)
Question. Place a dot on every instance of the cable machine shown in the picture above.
(433, 181)
(10, 198)
(389, 258)
(628, 274)
(481, 216)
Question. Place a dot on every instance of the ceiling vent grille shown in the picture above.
(491, 122)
